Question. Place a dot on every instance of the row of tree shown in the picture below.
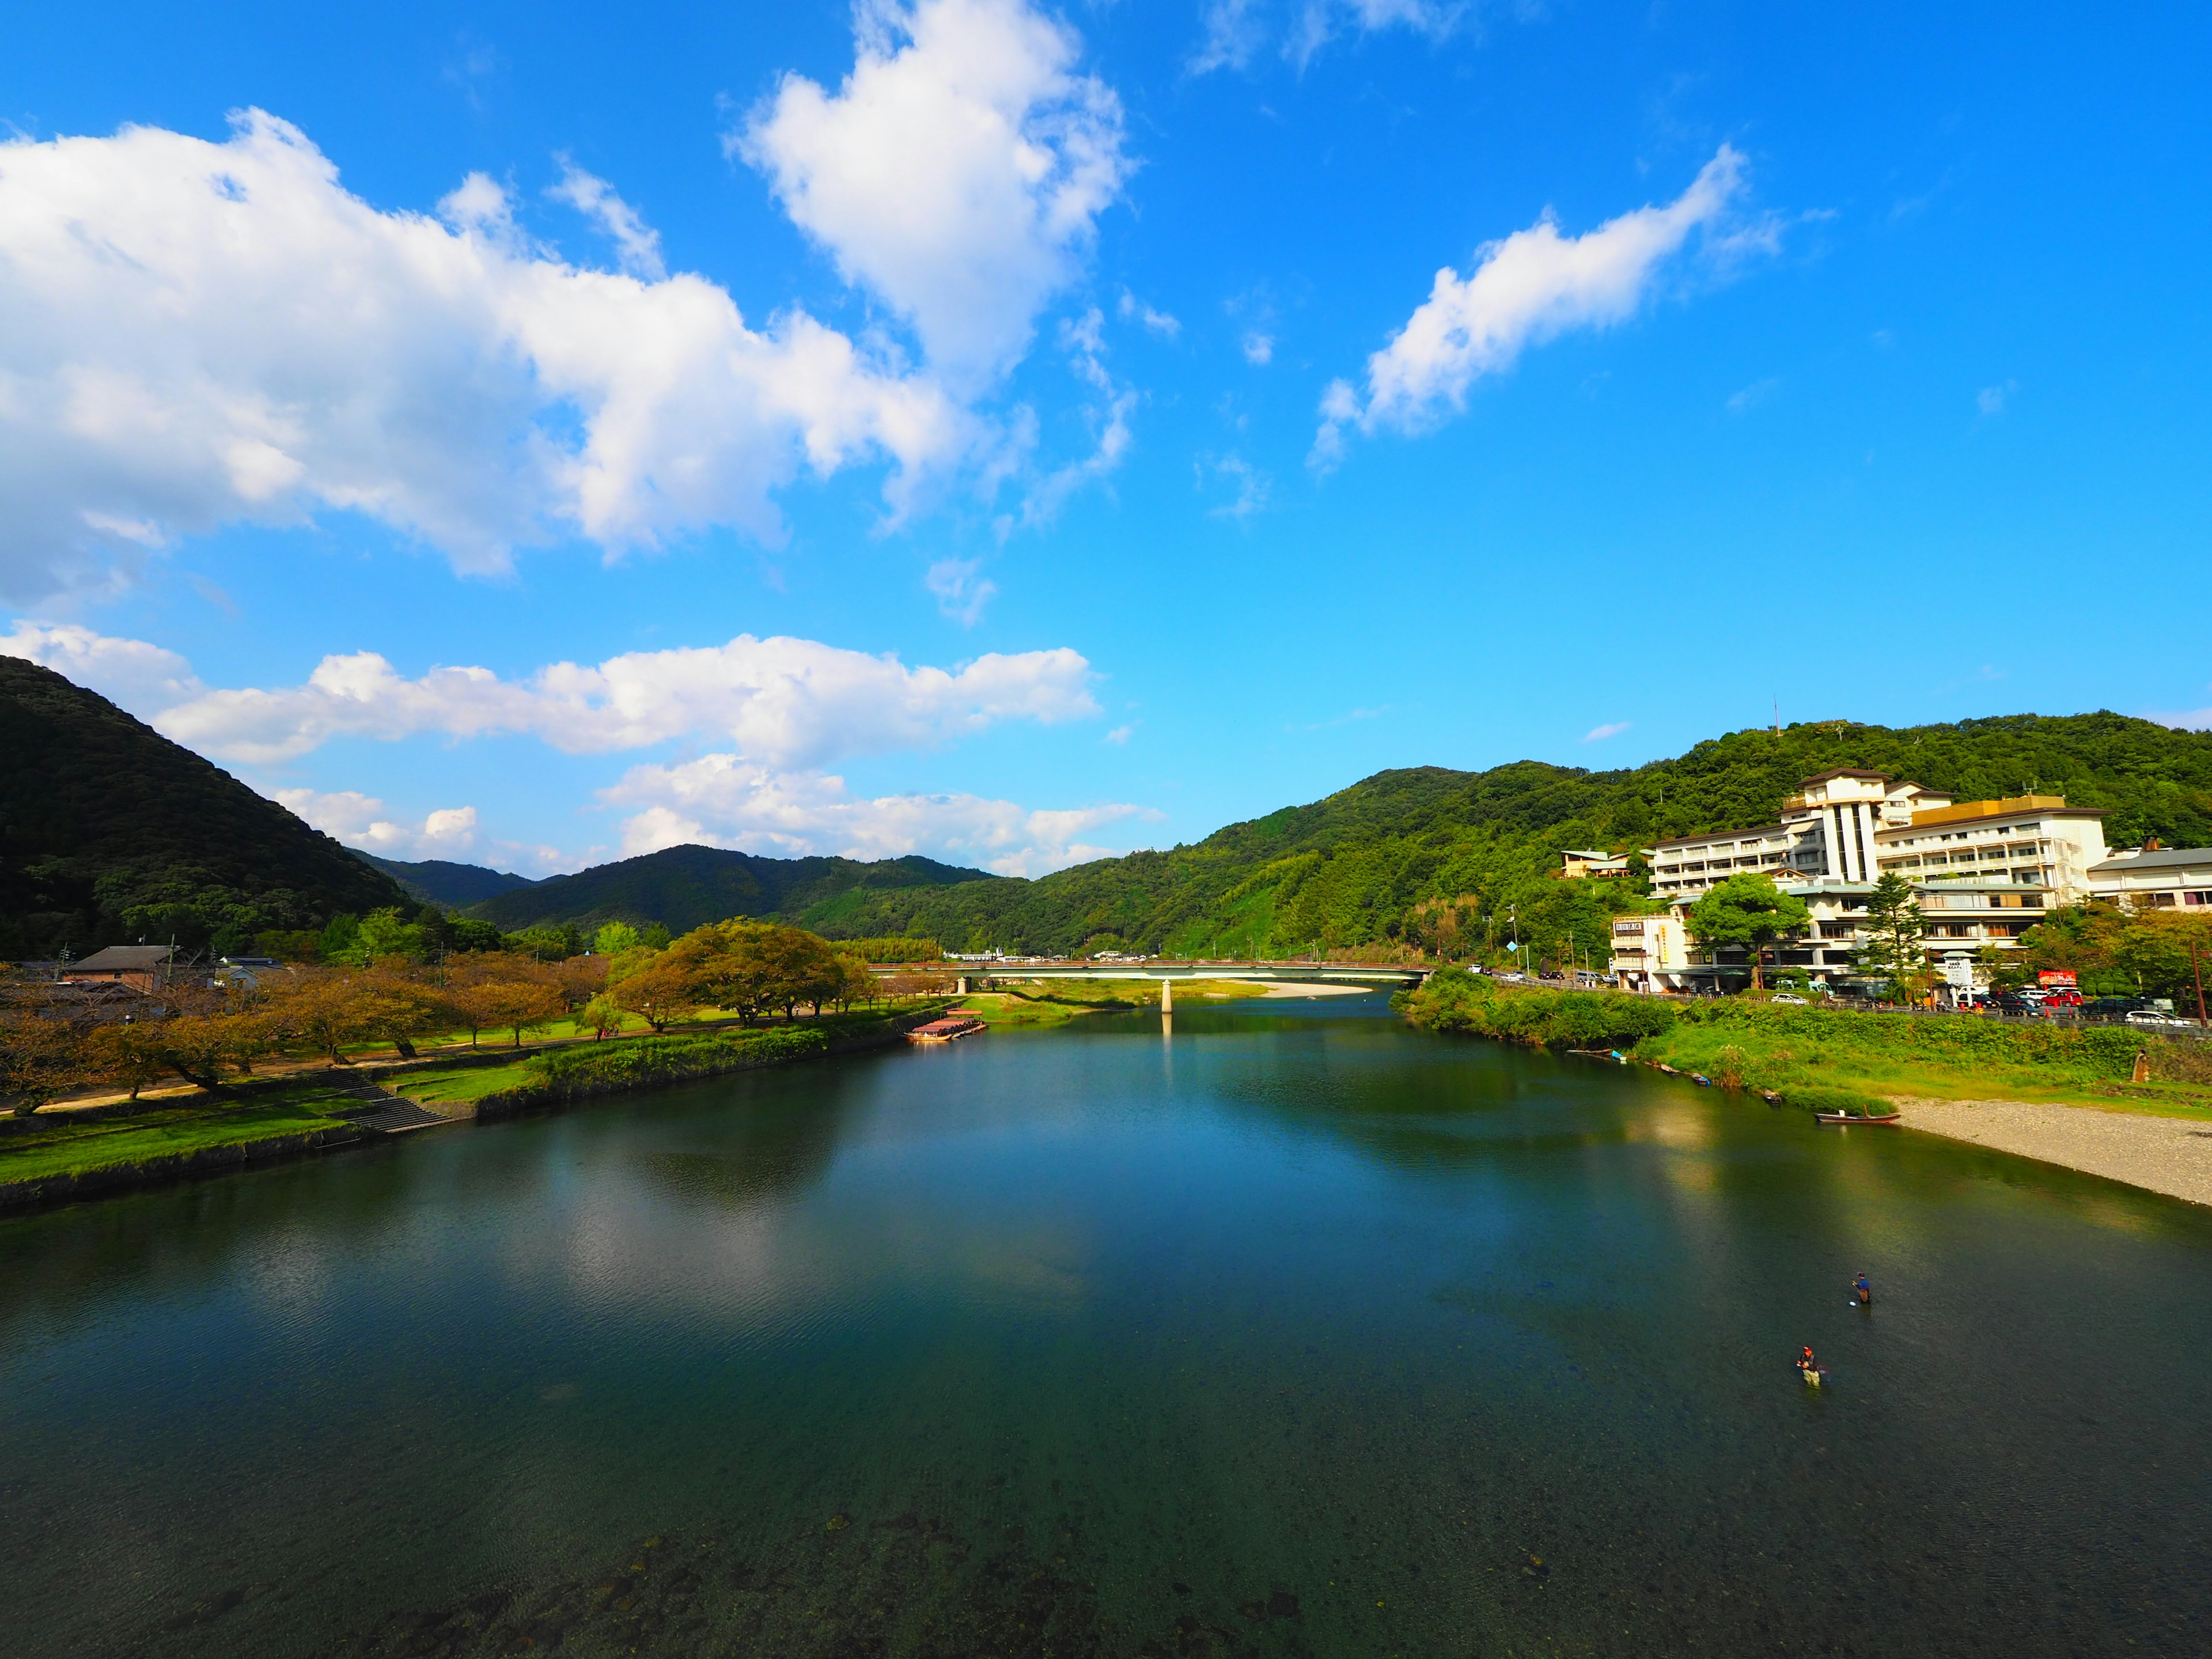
(56, 1039)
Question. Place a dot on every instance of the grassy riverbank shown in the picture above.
(53, 1155)
(1827, 1057)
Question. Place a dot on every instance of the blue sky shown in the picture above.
(1011, 434)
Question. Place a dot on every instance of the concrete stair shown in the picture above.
(383, 1112)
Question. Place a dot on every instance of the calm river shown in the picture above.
(1294, 1334)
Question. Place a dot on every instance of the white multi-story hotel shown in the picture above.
(1983, 871)
(1829, 830)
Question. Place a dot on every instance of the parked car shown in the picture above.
(2111, 1007)
(1785, 996)
(2154, 1017)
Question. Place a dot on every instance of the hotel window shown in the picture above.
(2196, 898)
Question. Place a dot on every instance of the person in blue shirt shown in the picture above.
(1863, 1291)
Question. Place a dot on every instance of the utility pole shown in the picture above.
(2196, 973)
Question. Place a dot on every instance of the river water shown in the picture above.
(1294, 1333)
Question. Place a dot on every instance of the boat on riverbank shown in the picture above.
(1890, 1118)
(949, 1030)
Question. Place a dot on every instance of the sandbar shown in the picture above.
(2169, 1154)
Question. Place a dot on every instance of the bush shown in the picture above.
(1454, 1000)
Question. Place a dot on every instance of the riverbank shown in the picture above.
(84, 1155)
(2162, 1154)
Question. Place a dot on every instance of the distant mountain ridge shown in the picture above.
(684, 887)
(110, 833)
(441, 881)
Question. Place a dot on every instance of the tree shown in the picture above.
(322, 1011)
(859, 984)
(396, 1007)
(513, 1004)
(1890, 938)
(40, 1058)
(1748, 910)
(614, 939)
(659, 991)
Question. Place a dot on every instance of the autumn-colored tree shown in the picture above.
(856, 983)
(658, 991)
(516, 1004)
(127, 1052)
(40, 1058)
(395, 1004)
(323, 1009)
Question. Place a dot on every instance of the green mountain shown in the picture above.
(441, 881)
(110, 833)
(1425, 856)
(687, 886)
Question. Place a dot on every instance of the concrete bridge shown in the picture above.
(973, 974)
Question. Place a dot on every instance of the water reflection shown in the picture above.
(1282, 1332)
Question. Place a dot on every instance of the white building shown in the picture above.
(1651, 953)
(1983, 873)
(2156, 877)
(1829, 830)
(2024, 841)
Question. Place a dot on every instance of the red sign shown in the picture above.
(2056, 979)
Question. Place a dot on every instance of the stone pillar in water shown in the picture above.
(1167, 996)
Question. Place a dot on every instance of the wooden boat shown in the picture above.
(1701, 1079)
(945, 1030)
(1853, 1117)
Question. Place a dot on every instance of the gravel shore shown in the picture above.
(2170, 1155)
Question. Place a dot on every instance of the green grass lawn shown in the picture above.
(73, 1148)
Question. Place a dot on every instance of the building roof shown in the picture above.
(1842, 772)
(140, 958)
(2167, 858)
(2012, 806)
(1761, 830)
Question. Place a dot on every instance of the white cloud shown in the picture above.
(1992, 399)
(720, 801)
(1318, 21)
(1533, 285)
(1259, 348)
(959, 170)
(1158, 322)
(961, 588)
(1119, 736)
(142, 677)
(783, 701)
(1253, 486)
(1612, 729)
(1111, 405)
(359, 820)
(637, 243)
(2192, 720)
(1232, 32)
(1753, 395)
(196, 333)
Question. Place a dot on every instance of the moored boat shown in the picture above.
(1854, 1117)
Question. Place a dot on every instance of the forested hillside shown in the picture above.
(441, 881)
(684, 887)
(110, 833)
(1426, 855)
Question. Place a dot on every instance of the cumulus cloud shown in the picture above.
(1259, 348)
(722, 801)
(1611, 729)
(359, 820)
(1531, 287)
(195, 333)
(1992, 399)
(142, 677)
(783, 701)
(958, 171)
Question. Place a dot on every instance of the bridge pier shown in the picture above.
(1167, 996)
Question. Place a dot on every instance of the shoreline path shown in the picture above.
(2169, 1154)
